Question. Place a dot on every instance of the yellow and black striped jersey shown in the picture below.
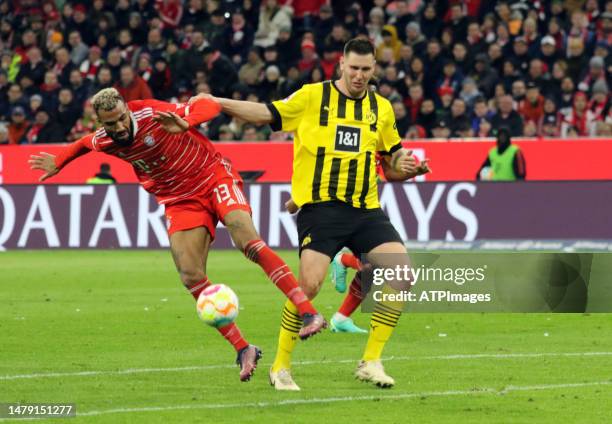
(336, 141)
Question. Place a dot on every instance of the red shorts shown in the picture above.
(207, 208)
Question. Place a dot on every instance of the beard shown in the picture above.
(126, 141)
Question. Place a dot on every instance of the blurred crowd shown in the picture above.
(450, 68)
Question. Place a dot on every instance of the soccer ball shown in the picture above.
(217, 305)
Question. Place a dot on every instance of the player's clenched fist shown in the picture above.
(291, 206)
(406, 163)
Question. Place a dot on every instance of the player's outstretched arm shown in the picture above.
(256, 113)
(402, 165)
(51, 164)
(176, 119)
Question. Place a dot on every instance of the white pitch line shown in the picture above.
(394, 396)
(313, 362)
(485, 390)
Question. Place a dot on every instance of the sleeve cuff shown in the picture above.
(392, 150)
(277, 121)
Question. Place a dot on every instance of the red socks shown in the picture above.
(231, 332)
(353, 298)
(197, 288)
(277, 270)
(350, 261)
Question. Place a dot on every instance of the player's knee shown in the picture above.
(241, 228)
(191, 275)
(310, 284)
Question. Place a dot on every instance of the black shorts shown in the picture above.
(327, 227)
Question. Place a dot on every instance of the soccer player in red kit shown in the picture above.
(180, 166)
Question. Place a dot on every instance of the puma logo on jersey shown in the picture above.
(286, 99)
(328, 109)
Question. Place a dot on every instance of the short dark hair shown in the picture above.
(359, 46)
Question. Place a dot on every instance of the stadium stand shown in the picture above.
(451, 68)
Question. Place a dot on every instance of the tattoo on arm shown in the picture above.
(396, 158)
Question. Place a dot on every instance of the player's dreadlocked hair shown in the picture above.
(106, 99)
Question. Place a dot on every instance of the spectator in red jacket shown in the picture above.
(309, 58)
(18, 126)
(170, 12)
(414, 100)
(532, 108)
(329, 61)
(131, 86)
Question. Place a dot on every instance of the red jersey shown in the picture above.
(170, 166)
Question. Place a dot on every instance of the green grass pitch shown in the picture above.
(115, 333)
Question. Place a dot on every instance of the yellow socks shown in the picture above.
(287, 337)
(384, 319)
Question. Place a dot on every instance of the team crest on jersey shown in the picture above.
(371, 118)
(149, 140)
(307, 240)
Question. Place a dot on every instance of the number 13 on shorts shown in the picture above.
(230, 194)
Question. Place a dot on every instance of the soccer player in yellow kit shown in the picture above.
(339, 128)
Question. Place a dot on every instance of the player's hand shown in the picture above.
(202, 96)
(291, 206)
(171, 122)
(406, 163)
(44, 162)
(423, 167)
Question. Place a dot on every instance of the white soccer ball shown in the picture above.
(217, 305)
